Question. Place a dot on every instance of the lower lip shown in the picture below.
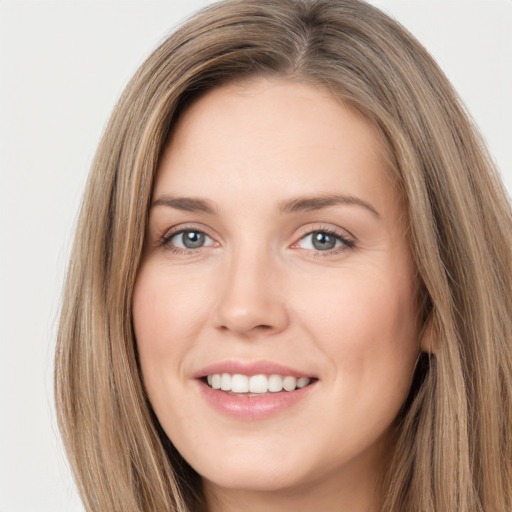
(253, 407)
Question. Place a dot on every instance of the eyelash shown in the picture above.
(165, 240)
(347, 242)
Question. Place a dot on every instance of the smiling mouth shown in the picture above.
(255, 385)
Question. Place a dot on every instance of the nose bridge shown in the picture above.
(250, 299)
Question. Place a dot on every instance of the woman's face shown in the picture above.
(276, 252)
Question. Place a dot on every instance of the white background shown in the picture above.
(63, 64)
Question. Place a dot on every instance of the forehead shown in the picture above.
(262, 105)
(265, 134)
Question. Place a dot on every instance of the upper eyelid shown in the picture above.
(180, 228)
(172, 234)
(348, 242)
(308, 229)
(321, 227)
(164, 240)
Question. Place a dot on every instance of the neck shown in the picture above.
(324, 499)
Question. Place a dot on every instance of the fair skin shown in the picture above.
(276, 237)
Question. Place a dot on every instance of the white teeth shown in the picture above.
(238, 383)
(225, 382)
(275, 383)
(258, 384)
(215, 381)
(302, 382)
(289, 383)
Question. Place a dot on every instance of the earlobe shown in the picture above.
(428, 342)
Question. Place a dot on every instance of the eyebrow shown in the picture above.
(188, 204)
(299, 204)
(304, 204)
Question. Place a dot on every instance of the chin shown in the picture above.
(244, 473)
(253, 480)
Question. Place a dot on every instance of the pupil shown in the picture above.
(193, 239)
(323, 241)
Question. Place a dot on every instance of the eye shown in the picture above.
(324, 241)
(188, 239)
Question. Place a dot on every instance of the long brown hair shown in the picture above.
(453, 448)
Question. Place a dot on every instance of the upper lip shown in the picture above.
(250, 368)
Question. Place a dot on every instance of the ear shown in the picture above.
(428, 342)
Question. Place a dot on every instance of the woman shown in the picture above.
(291, 281)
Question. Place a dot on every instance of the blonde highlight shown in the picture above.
(453, 448)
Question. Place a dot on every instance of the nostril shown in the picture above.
(247, 331)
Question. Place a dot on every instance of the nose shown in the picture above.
(251, 298)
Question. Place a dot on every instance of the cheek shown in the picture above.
(354, 302)
(367, 323)
(166, 319)
(166, 310)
